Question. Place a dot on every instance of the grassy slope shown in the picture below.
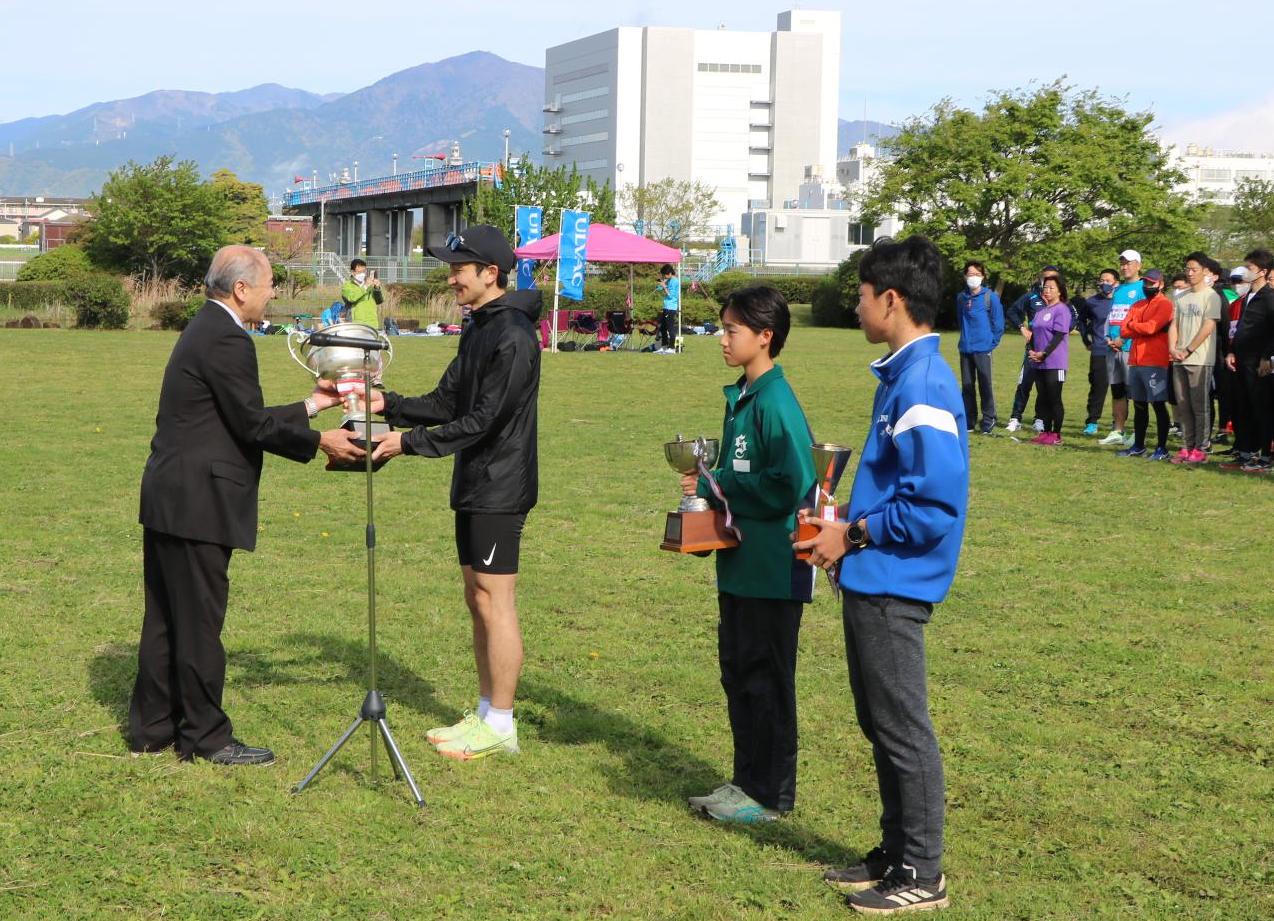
(1100, 675)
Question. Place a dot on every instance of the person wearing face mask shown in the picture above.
(981, 326)
(1224, 383)
(1127, 293)
(362, 295)
(1146, 327)
(1250, 357)
(1093, 313)
(1192, 344)
(1020, 315)
(1050, 353)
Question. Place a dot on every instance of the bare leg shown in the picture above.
(497, 638)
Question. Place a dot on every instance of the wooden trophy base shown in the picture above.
(697, 532)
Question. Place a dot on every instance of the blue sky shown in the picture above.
(1194, 64)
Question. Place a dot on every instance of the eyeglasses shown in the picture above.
(454, 241)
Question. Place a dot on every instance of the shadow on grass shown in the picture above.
(651, 766)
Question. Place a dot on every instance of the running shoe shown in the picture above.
(446, 733)
(900, 891)
(1114, 438)
(1012, 425)
(700, 803)
(741, 809)
(479, 742)
(1182, 456)
(1158, 454)
(1090, 429)
(1131, 452)
(862, 875)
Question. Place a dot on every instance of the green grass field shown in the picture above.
(1100, 675)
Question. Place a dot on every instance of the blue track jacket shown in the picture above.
(912, 484)
(981, 320)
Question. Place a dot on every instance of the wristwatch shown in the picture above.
(855, 537)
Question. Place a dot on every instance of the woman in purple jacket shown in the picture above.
(1050, 328)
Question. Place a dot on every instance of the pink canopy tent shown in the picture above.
(607, 244)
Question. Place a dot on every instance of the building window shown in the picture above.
(581, 73)
(1215, 175)
(861, 234)
(585, 139)
(591, 164)
(585, 116)
(729, 68)
(585, 94)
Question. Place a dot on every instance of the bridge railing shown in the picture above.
(430, 177)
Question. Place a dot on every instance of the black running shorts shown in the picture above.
(489, 543)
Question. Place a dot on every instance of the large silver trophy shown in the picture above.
(695, 527)
(344, 366)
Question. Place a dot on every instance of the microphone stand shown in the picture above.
(373, 709)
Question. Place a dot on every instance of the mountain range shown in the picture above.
(274, 134)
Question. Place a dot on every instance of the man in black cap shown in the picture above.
(484, 412)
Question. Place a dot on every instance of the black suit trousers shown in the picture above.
(181, 664)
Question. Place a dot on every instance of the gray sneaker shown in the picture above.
(741, 809)
(701, 803)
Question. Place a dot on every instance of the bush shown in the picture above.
(797, 289)
(33, 295)
(61, 264)
(420, 293)
(836, 295)
(99, 300)
(174, 314)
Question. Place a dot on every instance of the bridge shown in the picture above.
(376, 215)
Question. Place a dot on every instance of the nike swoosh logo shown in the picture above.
(491, 555)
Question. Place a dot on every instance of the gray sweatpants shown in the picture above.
(1194, 403)
(885, 646)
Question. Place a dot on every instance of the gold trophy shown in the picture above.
(830, 461)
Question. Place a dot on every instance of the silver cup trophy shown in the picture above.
(695, 527)
(344, 366)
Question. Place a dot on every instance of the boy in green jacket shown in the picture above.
(361, 296)
(766, 473)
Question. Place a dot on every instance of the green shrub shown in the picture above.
(61, 264)
(99, 300)
(836, 295)
(33, 295)
(797, 289)
(419, 293)
(174, 314)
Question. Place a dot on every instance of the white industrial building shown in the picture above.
(1214, 176)
(743, 112)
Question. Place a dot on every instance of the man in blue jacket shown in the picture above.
(1094, 312)
(981, 326)
(897, 545)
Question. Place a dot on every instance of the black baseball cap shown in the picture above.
(481, 243)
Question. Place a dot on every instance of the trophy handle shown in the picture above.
(296, 339)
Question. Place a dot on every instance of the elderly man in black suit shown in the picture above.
(199, 502)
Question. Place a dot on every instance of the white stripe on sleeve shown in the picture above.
(931, 416)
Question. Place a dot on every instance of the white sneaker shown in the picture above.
(1038, 425)
(1012, 426)
(1114, 438)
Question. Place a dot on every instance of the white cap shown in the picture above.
(1238, 271)
(1130, 255)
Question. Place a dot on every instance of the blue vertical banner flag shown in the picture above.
(572, 247)
(530, 228)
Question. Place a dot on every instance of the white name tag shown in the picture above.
(742, 466)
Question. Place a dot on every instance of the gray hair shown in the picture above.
(232, 264)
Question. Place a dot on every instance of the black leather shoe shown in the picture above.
(238, 753)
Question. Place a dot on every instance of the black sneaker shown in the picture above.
(1221, 439)
(862, 875)
(899, 891)
(238, 753)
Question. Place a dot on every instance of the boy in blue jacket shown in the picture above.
(981, 326)
(897, 547)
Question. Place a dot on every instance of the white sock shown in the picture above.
(484, 704)
(499, 720)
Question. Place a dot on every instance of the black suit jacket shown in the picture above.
(201, 478)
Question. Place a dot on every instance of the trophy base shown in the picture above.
(697, 532)
(358, 425)
(805, 532)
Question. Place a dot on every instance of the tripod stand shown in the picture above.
(373, 709)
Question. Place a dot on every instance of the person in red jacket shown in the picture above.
(1147, 325)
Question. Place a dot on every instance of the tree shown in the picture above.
(243, 208)
(157, 220)
(551, 189)
(287, 246)
(671, 210)
(1052, 176)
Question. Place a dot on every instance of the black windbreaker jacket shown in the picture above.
(484, 410)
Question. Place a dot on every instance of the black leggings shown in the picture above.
(1141, 422)
(1048, 385)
